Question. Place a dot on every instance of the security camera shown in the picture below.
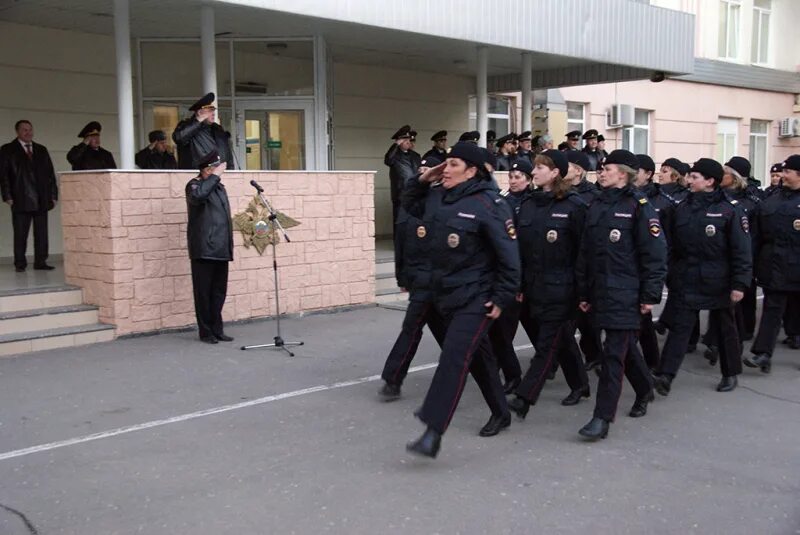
(658, 76)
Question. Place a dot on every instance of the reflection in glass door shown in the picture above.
(275, 140)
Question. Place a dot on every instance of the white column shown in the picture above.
(527, 82)
(208, 50)
(482, 99)
(122, 39)
(320, 105)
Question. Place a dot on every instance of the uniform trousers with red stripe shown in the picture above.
(620, 358)
(466, 350)
(418, 314)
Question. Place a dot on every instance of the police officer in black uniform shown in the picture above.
(590, 149)
(601, 147)
(439, 149)
(620, 271)
(403, 164)
(573, 140)
(525, 146)
(506, 151)
(778, 264)
(473, 136)
(579, 166)
(475, 262)
(491, 137)
(671, 177)
(775, 176)
(710, 269)
(156, 155)
(198, 135)
(89, 154)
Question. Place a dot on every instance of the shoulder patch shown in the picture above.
(512, 232)
(504, 193)
(745, 224)
(654, 225)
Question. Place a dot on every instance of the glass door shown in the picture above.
(275, 136)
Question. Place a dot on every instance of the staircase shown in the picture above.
(387, 294)
(49, 317)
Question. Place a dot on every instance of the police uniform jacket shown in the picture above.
(504, 162)
(623, 257)
(412, 255)
(527, 154)
(770, 190)
(663, 204)
(402, 167)
(588, 191)
(711, 251)
(675, 190)
(473, 247)
(594, 158)
(549, 231)
(436, 153)
(30, 183)
(778, 236)
(195, 139)
(754, 188)
(152, 159)
(750, 203)
(514, 200)
(83, 158)
(210, 231)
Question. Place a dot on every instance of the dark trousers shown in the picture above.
(724, 330)
(791, 318)
(465, 349)
(748, 312)
(554, 342)
(621, 358)
(395, 213)
(418, 314)
(712, 336)
(648, 340)
(210, 285)
(775, 306)
(590, 342)
(21, 221)
(501, 337)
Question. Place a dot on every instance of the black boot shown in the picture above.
(575, 396)
(390, 392)
(712, 355)
(495, 425)
(427, 445)
(511, 385)
(727, 384)
(596, 428)
(760, 360)
(660, 328)
(662, 384)
(520, 406)
(639, 407)
(794, 342)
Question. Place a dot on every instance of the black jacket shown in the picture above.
(754, 188)
(588, 191)
(30, 183)
(436, 153)
(664, 205)
(210, 230)
(473, 248)
(504, 162)
(514, 200)
(412, 257)
(152, 159)
(595, 157)
(623, 258)
(402, 167)
(550, 232)
(195, 139)
(675, 190)
(84, 158)
(711, 251)
(777, 228)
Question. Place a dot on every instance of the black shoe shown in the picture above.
(712, 355)
(520, 406)
(223, 337)
(660, 327)
(596, 428)
(662, 384)
(44, 267)
(794, 342)
(639, 407)
(19, 269)
(727, 384)
(390, 392)
(575, 396)
(495, 425)
(511, 385)
(427, 445)
(592, 365)
(209, 339)
(691, 348)
(760, 360)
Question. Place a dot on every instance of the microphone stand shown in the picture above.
(278, 341)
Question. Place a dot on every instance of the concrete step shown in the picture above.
(27, 342)
(47, 318)
(384, 268)
(386, 282)
(18, 300)
(394, 304)
(390, 295)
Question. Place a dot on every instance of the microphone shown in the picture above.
(255, 185)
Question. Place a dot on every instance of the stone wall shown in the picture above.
(125, 245)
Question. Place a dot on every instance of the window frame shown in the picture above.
(572, 124)
(729, 34)
(726, 126)
(760, 13)
(753, 137)
(630, 131)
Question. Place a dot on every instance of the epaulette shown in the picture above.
(504, 193)
(669, 197)
(576, 199)
(639, 196)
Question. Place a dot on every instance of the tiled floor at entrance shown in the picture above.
(31, 279)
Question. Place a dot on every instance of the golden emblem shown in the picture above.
(256, 228)
(614, 235)
(421, 231)
(711, 230)
(453, 240)
(796, 224)
(552, 236)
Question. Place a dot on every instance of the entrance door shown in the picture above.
(275, 136)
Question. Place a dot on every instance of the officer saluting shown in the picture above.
(156, 155)
(506, 149)
(439, 149)
(590, 149)
(89, 154)
(403, 164)
(198, 135)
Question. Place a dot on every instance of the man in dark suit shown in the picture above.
(156, 155)
(89, 154)
(198, 135)
(403, 163)
(28, 184)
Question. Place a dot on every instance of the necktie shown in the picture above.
(28, 151)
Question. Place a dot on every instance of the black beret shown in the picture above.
(776, 168)
(505, 139)
(590, 134)
(403, 132)
(675, 164)
(441, 134)
(491, 158)
(490, 134)
(708, 168)
(685, 169)
(740, 165)
(600, 137)
(211, 159)
(91, 129)
(559, 159)
(472, 136)
(469, 152)
(563, 146)
(206, 101)
(525, 136)
(622, 157)
(579, 158)
(524, 165)
(535, 140)
(157, 135)
(792, 162)
(431, 161)
(646, 163)
(412, 135)
(575, 134)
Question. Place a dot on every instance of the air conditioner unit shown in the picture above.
(789, 127)
(619, 116)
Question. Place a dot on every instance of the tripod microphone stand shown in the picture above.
(278, 341)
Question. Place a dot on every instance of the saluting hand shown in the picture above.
(584, 306)
(432, 174)
(494, 311)
(736, 296)
(218, 170)
(644, 308)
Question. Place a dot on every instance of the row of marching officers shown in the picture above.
(545, 254)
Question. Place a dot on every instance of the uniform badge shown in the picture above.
(453, 240)
(552, 236)
(655, 228)
(642, 201)
(614, 235)
(796, 224)
(745, 224)
(711, 230)
(512, 232)
(421, 231)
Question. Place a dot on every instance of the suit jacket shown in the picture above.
(30, 183)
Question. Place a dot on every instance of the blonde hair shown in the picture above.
(630, 171)
(739, 182)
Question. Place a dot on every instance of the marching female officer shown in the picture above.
(475, 276)
(550, 224)
(710, 269)
(620, 271)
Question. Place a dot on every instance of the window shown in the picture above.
(759, 51)
(499, 116)
(575, 120)
(727, 132)
(636, 138)
(759, 134)
(729, 28)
